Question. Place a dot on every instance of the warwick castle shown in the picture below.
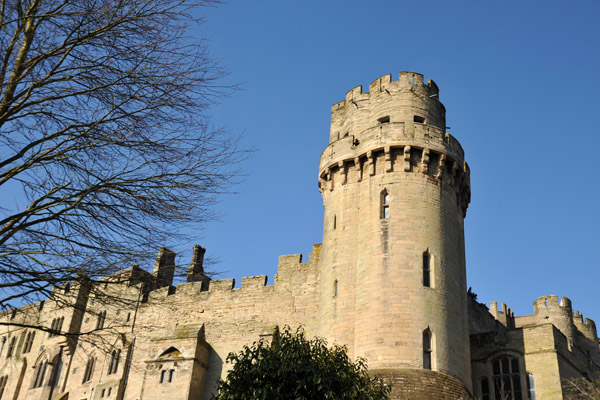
(388, 281)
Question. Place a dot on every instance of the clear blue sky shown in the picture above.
(520, 84)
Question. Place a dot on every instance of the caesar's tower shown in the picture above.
(395, 188)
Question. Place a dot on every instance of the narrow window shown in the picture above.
(385, 205)
(103, 392)
(530, 387)
(128, 317)
(114, 361)
(109, 391)
(52, 328)
(419, 120)
(427, 349)
(384, 120)
(171, 373)
(100, 320)
(162, 376)
(334, 221)
(11, 347)
(89, 370)
(485, 389)
(40, 373)
(3, 384)
(335, 288)
(28, 342)
(426, 269)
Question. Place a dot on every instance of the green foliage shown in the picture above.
(293, 367)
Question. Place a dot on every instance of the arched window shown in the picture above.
(40, 373)
(114, 361)
(426, 268)
(427, 349)
(485, 389)
(28, 342)
(385, 205)
(507, 381)
(89, 370)
(3, 384)
(530, 387)
(56, 326)
(11, 347)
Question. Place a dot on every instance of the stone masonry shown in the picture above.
(388, 281)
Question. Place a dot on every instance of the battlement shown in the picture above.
(408, 100)
(550, 303)
(407, 80)
(291, 270)
(550, 308)
(505, 316)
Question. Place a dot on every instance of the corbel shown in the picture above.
(406, 158)
(425, 161)
(388, 159)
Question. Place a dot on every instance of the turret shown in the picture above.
(549, 309)
(395, 188)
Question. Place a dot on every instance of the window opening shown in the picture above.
(385, 205)
(335, 288)
(28, 342)
(485, 389)
(103, 393)
(384, 120)
(3, 384)
(507, 381)
(101, 319)
(530, 387)
(89, 369)
(426, 269)
(163, 373)
(171, 373)
(40, 373)
(419, 119)
(109, 390)
(11, 347)
(56, 326)
(114, 361)
(427, 349)
(334, 221)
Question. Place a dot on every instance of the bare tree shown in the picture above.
(106, 149)
(582, 388)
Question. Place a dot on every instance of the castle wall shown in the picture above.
(230, 318)
(389, 275)
(548, 345)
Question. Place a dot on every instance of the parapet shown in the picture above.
(409, 100)
(506, 316)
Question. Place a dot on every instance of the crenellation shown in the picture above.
(388, 282)
(221, 285)
(254, 282)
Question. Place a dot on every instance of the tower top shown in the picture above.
(407, 100)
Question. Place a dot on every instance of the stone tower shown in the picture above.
(395, 188)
